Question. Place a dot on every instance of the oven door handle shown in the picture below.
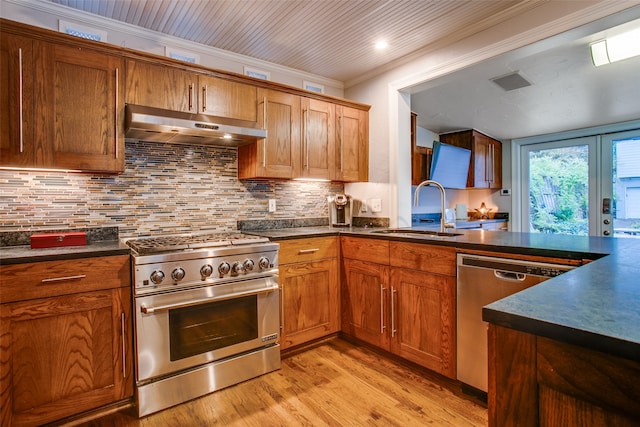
(151, 310)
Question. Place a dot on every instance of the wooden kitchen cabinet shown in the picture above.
(485, 168)
(423, 300)
(536, 381)
(17, 146)
(318, 139)
(173, 88)
(303, 140)
(62, 106)
(402, 299)
(309, 290)
(352, 145)
(277, 155)
(66, 338)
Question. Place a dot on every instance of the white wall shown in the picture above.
(390, 150)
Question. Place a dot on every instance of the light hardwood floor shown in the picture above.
(335, 383)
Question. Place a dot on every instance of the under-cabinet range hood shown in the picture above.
(158, 125)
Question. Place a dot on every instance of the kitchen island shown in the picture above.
(585, 322)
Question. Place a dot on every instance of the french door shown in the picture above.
(582, 186)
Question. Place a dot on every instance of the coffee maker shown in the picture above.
(340, 210)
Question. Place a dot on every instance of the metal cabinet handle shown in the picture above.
(191, 96)
(123, 330)
(282, 310)
(393, 312)
(204, 98)
(341, 120)
(20, 81)
(62, 279)
(115, 136)
(308, 251)
(382, 325)
(264, 126)
(306, 138)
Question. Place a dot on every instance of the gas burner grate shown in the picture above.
(150, 245)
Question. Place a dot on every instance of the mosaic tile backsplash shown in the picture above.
(166, 188)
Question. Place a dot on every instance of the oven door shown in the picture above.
(187, 328)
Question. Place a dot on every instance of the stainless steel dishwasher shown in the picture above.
(481, 281)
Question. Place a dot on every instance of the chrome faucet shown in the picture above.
(443, 224)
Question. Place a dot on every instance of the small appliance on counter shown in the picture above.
(340, 210)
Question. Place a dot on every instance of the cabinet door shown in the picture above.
(365, 297)
(318, 139)
(226, 98)
(64, 355)
(277, 155)
(423, 319)
(310, 298)
(161, 86)
(16, 101)
(79, 108)
(352, 144)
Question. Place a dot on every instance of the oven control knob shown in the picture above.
(177, 274)
(157, 277)
(237, 268)
(224, 268)
(264, 263)
(248, 264)
(206, 270)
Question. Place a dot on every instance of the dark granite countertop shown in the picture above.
(596, 306)
(24, 254)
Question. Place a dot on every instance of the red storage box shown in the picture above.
(58, 239)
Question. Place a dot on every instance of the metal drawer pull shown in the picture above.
(61, 279)
(308, 251)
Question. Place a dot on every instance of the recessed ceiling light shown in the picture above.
(381, 44)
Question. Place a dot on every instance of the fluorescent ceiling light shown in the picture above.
(616, 48)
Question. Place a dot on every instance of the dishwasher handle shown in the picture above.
(508, 275)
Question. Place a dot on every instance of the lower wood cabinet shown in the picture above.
(402, 299)
(68, 353)
(536, 381)
(309, 290)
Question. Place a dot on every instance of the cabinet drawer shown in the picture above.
(430, 258)
(19, 282)
(301, 250)
(370, 250)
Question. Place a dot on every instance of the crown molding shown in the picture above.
(67, 13)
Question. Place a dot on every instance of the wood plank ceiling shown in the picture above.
(331, 38)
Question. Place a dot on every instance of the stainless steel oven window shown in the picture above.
(206, 327)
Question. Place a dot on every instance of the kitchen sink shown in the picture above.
(417, 232)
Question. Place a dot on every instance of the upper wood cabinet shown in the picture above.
(277, 155)
(307, 138)
(318, 139)
(485, 169)
(63, 108)
(16, 101)
(352, 144)
(176, 89)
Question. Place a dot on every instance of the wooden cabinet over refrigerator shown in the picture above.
(485, 169)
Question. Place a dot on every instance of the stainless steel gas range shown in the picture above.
(207, 314)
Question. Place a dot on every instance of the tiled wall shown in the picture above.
(165, 188)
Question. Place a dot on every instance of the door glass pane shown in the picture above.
(626, 187)
(559, 190)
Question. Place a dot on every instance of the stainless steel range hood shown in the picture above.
(158, 125)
